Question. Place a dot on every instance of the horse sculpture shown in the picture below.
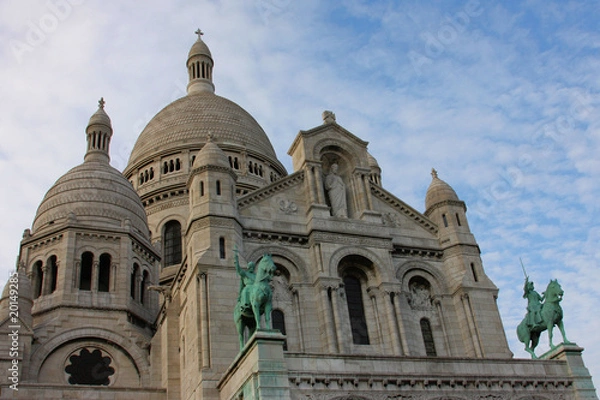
(541, 316)
(255, 296)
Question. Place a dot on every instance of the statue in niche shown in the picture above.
(336, 190)
(419, 296)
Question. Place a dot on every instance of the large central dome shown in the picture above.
(187, 122)
(166, 148)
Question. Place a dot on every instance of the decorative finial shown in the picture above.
(433, 173)
(328, 117)
(199, 33)
(101, 103)
(209, 137)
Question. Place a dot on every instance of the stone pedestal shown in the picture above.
(582, 381)
(259, 371)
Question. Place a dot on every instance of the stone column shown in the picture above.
(95, 273)
(204, 328)
(392, 323)
(367, 192)
(403, 341)
(329, 320)
(319, 184)
(337, 321)
(470, 322)
(45, 280)
(373, 293)
(438, 305)
(297, 310)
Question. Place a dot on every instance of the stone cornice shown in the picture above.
(455, 203)
(277, 237)
(211, 168)
(349, 240)
(417, 251)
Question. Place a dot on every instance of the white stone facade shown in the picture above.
(132, 282)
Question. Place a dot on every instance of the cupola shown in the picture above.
(98, 134)
(200, 67)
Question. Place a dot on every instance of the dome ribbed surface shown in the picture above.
(439, 191)
(187, 122)
(95, 193)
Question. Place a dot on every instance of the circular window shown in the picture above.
(89, 367)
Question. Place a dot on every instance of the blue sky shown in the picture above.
(502, 98)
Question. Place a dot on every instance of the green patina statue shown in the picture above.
(543, 312)
(255, 295)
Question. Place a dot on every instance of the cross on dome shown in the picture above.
(434, 173)
(199, 33)
(101, 103)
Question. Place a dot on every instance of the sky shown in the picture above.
(500, 97)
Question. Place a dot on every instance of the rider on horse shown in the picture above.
(534, 303)
(248, 277)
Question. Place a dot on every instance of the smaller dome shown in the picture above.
(438, 191)
(25, 291)
(199, 48)
(211, 154)
(93, 193)
(100, 117)
(25, 297)
(372, 161)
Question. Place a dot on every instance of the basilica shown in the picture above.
(127, 281)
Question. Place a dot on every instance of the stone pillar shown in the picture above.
(401, 329)
(259, 372)
(471, 323)
(319, 184)
(45, 280)
(582, 381)
(204, 320)
(394, 331)
(438, 305)
(337, 319)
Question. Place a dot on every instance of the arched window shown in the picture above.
(85, 273)
(104, 273)
(428, 338)
(134, 276)
(218, 188)
(445, 220)
(356, 309)
(278, 320)
(143, 285)
(222, 248)
(53, 273)
(172, 243)
(201, 188)
(38, 277)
